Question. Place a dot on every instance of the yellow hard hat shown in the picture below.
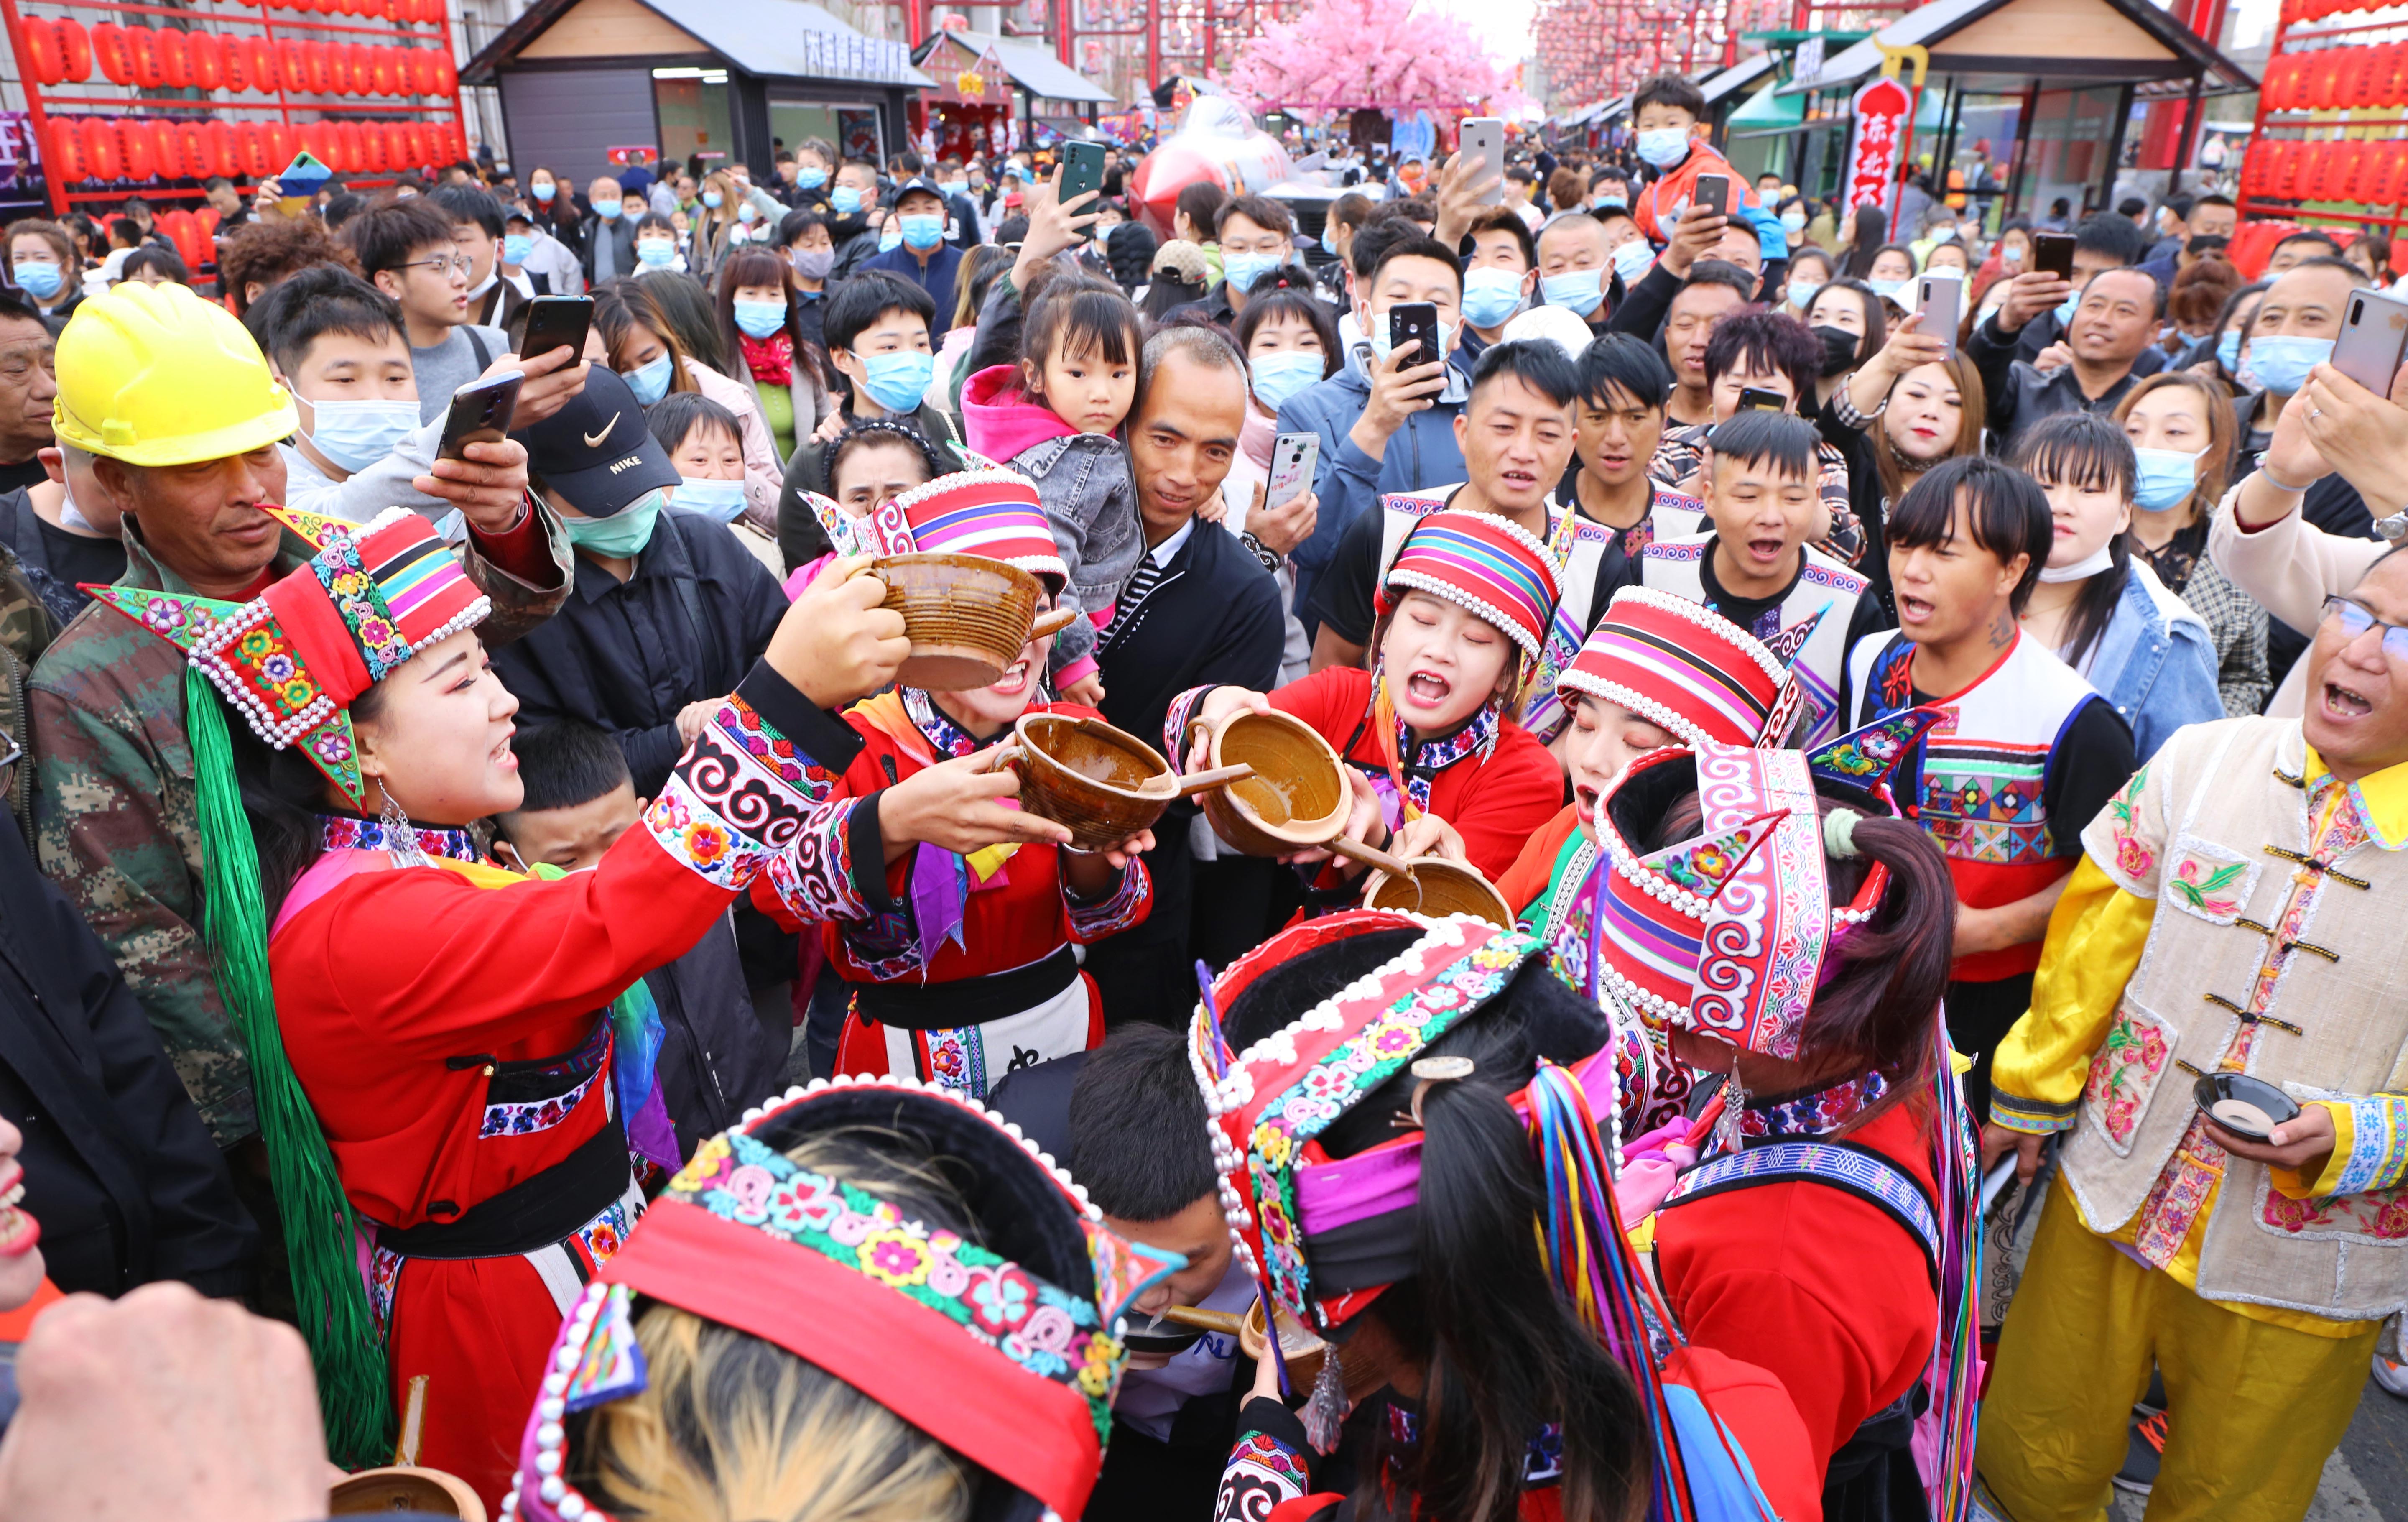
(153, 374)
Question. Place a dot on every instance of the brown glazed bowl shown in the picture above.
(1447, 887)
(968, 617)
(406, 1487)
(1089, 776)
(1302, 1350)
(1297, 798)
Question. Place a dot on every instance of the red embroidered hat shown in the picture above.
(1483, 563)
(292, 659)
(994, 513)
(1685, 668)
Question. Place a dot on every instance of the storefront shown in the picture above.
(588, 85)
(989, 94)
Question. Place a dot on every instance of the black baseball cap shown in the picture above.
(920, 183)
(596, 452)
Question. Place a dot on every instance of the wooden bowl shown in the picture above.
(1089, 776)
(407, 1489)
(1303, 1350)
(968, 617)
(1297, 798)
(1447, 887)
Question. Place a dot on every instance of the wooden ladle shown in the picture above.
(1163, 785)
(1052, 622)
(1395, 866)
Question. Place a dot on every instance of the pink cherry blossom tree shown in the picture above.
(1339, 56)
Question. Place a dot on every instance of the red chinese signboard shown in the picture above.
(1883, 111)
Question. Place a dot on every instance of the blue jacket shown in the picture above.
(1420, 455)
(936, 276)
(2156, 663)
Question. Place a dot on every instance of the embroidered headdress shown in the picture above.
(1004, 1350)
(1477, 561)
(1727, 932)
(1686, 670)
(292, 659)
(995, 513)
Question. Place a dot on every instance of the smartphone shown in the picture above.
(480, 414)
(556, 322)
(1484, 138)
(2373, 337)
(1414, 321)
(1714, 193)
(1757, 399)
(1293, 458)
(1941, 302)
(1083, 169)
(2053, 254)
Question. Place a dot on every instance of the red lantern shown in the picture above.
(142, 53)
(222, 149)
(382, 76)
(62, 151)
(319, 138)
(260, 54)
(100, 148)
(281, 142)
(321, 60)
(133, 150)
(372, 157)
(293, 64)
(363, 66)
(446, 75)
(108, 52)
(175, 60)
(207, 64)
(75, 48)
(43, 52)
(347, 142)
(192, 150)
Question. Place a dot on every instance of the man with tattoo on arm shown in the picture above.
(2025, 755)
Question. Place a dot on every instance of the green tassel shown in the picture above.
(354, 1392)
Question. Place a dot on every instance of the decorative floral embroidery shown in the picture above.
(740, 795)
(2380, 1213)
(1424, 762)
(2209, 882)
(2125, 1073)
(949, 738)
(344, 832)
(384, 1277)
(2378, 1143)
(1817, 1113)
(527, 1118)
(2134, 858)
(2181, 1191)
(1261, 1472)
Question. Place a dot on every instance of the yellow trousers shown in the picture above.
(2253, 1409)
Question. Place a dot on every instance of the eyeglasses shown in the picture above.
(442, 264)
(2356, 619)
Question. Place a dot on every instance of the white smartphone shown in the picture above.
(1941, 302)
(1484, 138)
(1293, 458)
(2373, 337)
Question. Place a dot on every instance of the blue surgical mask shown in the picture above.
(623, 534)
(607, 211)
(2167, 479)
(1802, 293)
(809, 179)
(1281, 375)
(650, 382)
(2065, 309)
(2228, 351)
(1885, 288)
(1610, 202)
(746, 211)
(356, 434)
(1243, 268)
(656, 251)
(898, 382)
(517, 249)
(2282, 364)
(922, 231)
(1663, 147)
(1632, 261)
(1793, 222)
(541, 192)
(712, 199)
(720, 499)
(1490, 295)
(1580, 291)
(890, 237)
(759, 319)
(845, 200)
(40, 280)
(2010, 254)
(954, 187)
(1329, 238)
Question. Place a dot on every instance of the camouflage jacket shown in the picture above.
(26, 629)
(114, 809)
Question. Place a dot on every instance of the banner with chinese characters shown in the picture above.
(1882, 110)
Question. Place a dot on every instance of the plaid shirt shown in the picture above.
(1675, 464)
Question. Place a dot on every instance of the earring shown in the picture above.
(400, 835)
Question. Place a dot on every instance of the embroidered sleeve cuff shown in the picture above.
(818, 737)
(1271, 1465)
(815, 879)
(1126, 905)
(2034, 1118)
(744, 792)
(1174, 723)
(2370, 1149)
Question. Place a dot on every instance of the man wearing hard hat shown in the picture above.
(174, 401)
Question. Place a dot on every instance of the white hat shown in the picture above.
(1562, 324)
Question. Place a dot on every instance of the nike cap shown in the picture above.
(596, 452)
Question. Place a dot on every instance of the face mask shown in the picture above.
(623, 534)
(1663, 147)
(2065, 310)
(2283, 363)
(2010, 254)
(1793, 222)
(720, 499)
(1242, 269)
(1491, 295)
(1610, 202)
(1801, 295)
(899, 380)
(1281, 375)
(38, 280)
(656, 252)
(1579, 290)
(890, 237)
(846, 200)
(1632, 261)
(607, 211)
(811, 264)
(2166, 479)
(712, 199)
(747, 211)
(1887, 288)
(1379, 344)
(650, 382)
(759, 319)
(356, 434)
(2081, 571)
(541, 192)
(1839, 349)
(921, 231)
(516, 248)
(2228, 351)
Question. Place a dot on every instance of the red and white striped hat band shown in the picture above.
(1685, 668)
(995, 513)
(1488, 565)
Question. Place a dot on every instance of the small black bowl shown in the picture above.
(2230, 1099)
(1154, 1334)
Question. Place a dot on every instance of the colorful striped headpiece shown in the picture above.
(1477, 561)
(1685, 668)
(292, 659)
(994, 513)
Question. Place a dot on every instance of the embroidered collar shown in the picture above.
(345, 832)
(949, 738)
(1424, 761)
(1815, 1112)
(2381, 800)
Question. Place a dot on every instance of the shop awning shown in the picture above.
(1737, 77)
(1768, 111)
(2107, 40)
(1032, 68)
(779, 38)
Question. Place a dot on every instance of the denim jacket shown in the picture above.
(2154, 662)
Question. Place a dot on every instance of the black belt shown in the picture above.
(535, 1213)
(970, 1002)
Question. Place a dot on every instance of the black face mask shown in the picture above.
(1838, 349)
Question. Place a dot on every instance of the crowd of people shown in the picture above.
(498, 945)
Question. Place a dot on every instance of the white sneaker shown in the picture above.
(2392, 1376)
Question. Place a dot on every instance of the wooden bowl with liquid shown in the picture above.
(1446, 887)
(967, 616)
(1296, 799)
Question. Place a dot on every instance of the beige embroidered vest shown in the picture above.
(2273, 952)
